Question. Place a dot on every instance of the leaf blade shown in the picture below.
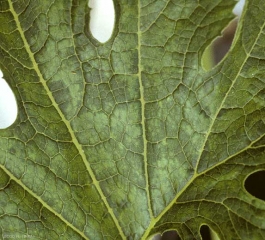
(120, 138)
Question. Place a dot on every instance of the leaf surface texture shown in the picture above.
(132, 137)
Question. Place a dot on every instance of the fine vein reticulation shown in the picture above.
(132, 137)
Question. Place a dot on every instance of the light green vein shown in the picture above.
(174, 201)
(155, 220)
(66, 122)
(226, 95)
(19, 182)
(10, 54)
(143, 111)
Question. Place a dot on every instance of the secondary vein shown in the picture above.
(65, 121)
(143, 111)
(155, 220)
(19, 182)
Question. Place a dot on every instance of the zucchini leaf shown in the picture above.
(132, 137)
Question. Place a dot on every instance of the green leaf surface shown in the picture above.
(132, 137)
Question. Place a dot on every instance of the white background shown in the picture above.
(101, 26)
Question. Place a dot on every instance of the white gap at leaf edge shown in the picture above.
(8, 104)
(239, 7)
(102, 19)
(101, 26)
